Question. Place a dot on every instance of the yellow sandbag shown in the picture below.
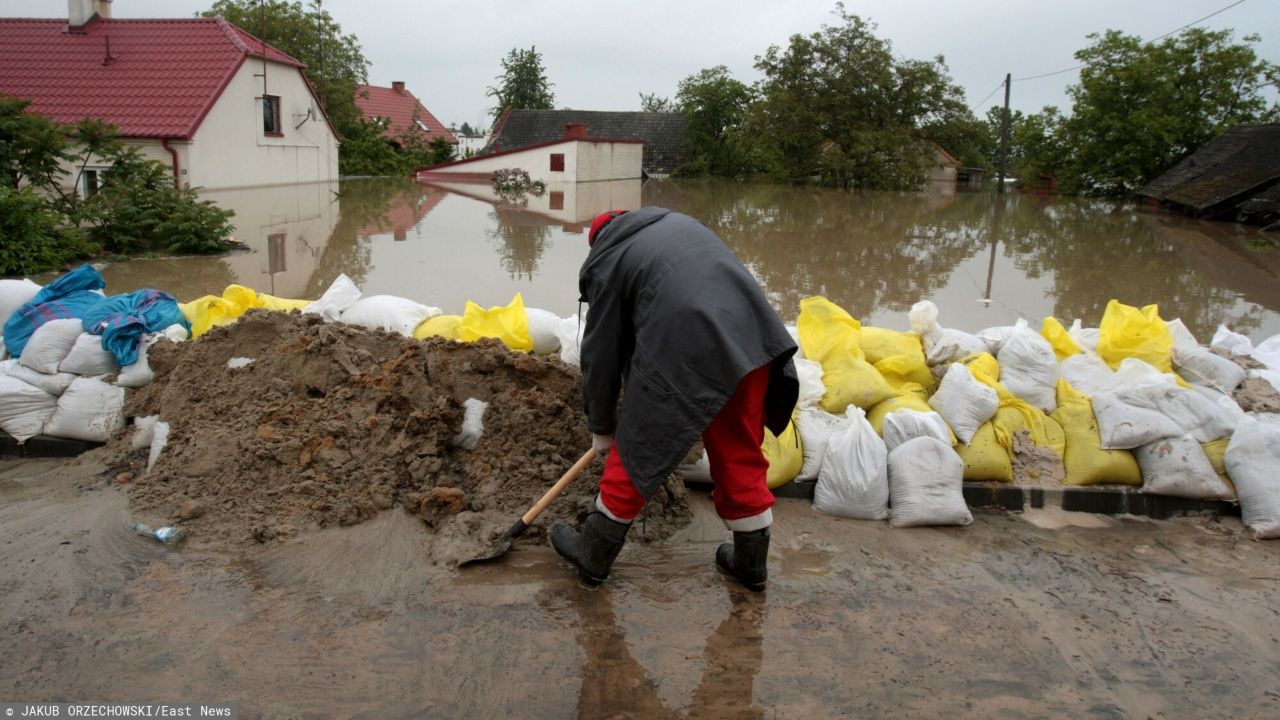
(210, 311)
(1016, 414)
(445, 326)
(247, 298)
(785, 455)
(984, 459)
(878, 343)
(984, 363)
(1063, 346)
(830, 336)
(1126, 331)
(241, 296)
(279, 304)
(1216, 452)
(911, 397)
(900, 370)
(1085, 460)
(509, 324)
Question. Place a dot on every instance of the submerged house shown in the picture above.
(402, 111)
(1233, 177)
(662, 133)
(572, 157)
(220, 107)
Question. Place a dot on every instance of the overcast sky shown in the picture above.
(601, 55)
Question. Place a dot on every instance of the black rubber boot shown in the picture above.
(747, 558)
(593, 548)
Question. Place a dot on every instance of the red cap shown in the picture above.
(601, 220)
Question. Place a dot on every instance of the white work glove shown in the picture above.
(601, 444)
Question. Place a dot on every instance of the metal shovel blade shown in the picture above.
(499, 548)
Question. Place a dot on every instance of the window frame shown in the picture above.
(557, 159)
(271, 111)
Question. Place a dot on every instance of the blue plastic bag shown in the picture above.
(122, 320)
(69, 296)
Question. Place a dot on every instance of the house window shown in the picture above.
(277, 259)
(271, 115)
(557, 200)
(90, 183)
(557, 162)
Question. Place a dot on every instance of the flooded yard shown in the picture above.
(984, 259)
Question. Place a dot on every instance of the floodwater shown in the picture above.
(984, 259)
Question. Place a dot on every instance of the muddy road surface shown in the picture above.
(1018, 616)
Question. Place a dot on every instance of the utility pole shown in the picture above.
(1003, 154)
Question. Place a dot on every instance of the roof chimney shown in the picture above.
(575, 130)
(398, 86)
(80, 12)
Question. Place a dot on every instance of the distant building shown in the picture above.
(402, 111)
(946, 167)
(219, 106)
(1234, 176)
(661, 132)
(571, 158)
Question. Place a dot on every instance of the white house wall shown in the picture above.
(609, 161)
(584, 161)
(231, 149)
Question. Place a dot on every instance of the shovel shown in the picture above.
(504, 542)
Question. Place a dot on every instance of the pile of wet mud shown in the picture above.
(332, 424)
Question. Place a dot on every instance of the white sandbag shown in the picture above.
(1086, 372)
(341, 295)
(144, 431)
(794, 332)
(89, 410)
(1267, 352)
(472, 424)
(1086, 338)
(1252, 460)
(50, 344)
(963, 402)
(1183, 338)
(13, 295)
(1231, 342)
(1177, 466)
(139, 374)
(543, 327)
(811, 386)
(88, 357)
(815, 426)
(175, 333)
(24, 408)
(1029, 368)
(569, 333)
(1270, 376)
(1199, 366)
(1143, 405)
(4, 354)
(388, 312)
(941, 345)
(906, 424)
(926, 485)
(54, 384)
(1225, 403)
(996, 337)
(854, 479)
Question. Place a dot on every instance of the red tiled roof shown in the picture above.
(399, 108)
(159, 78)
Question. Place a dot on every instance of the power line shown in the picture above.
(984, 100)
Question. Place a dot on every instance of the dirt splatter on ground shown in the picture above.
(332, 424)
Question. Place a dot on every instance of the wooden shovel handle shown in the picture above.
(559, 487)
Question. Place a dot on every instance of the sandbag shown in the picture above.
(388, 312)
(68, 296)
(785, 455)
(984, 364)
(1085, 461)
(854, 479)
(1231, 342)
(1129, 332)
(88, 357)
(1085, 338)
(1252, 458)
(878, 343)
(1142, 405)
(906, 424)
(815, 427)
(912, 397)
(1016, 414)
(830, 336)
(941, 345)
(1029, 367)
(542, 330)
(14, 294)
(1086, 372)
(89, 410)
(508, 324)
(1216, 452)
(985, 460)
(444, 326)
(902, 370)
(926, 485)
(569, 332)
(995, 337)
(208, 312)
(1058, 338)
(963, 402)
(139, 373)
(795, 337)
(1200, 366)
(341, 295)
(1177, 467)
(50, 344)
(24, 408)
(54, 384)
(152, 433)
(811, 387)
(248, 298)
(1267, 352)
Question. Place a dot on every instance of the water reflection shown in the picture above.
(615, 685)
(984, 259)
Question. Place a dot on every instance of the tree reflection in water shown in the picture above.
(521, 238)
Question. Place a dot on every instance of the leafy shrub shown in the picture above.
(34, 236)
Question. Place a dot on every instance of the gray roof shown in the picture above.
(1228, 170)
(662, 132)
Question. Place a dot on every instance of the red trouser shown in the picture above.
(738, 465)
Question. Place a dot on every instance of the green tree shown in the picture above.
(838, 103)
(1140, 108)
(1036, 154)
(335, 61)
(714, 106)
(466, 131)
(651, 102)
(523, 83)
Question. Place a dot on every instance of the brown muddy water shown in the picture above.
(983, 259)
